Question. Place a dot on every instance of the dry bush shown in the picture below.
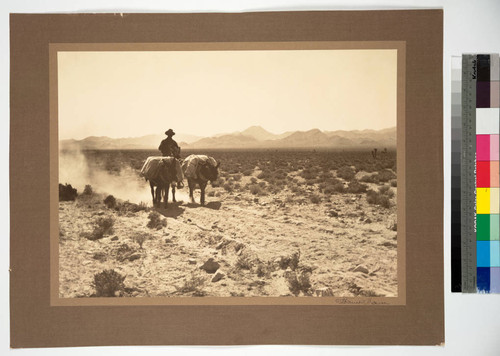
(156, 221)
(315, 199)
(381, 176)
(346, 173)
(88, 190)
(140, 238)
(102, 226)
(333, 185)
(257, 189)
(299, 282)
(237, 177)
(193, 284)
(67, 192)
(128, 207)
(244, 262)
(228, 187)
(108, 283)
(217, 183)
(110, 202)
(264, 269)
(381, 198)
(356, 187)
(291, 261)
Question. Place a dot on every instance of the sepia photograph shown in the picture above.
(228, 173)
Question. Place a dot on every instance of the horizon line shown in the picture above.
(224, 133)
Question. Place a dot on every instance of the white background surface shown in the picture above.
(472, 321)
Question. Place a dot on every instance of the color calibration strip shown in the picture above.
(475, 174)
(456, 152)
(487, 174)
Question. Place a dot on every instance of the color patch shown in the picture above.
(483, 174)
(483, 95)
(494, 227)
(494, 201)
(494, 253)
(495, 280)
(495, 94)
(487, 121)
(483, 226)
(483, 147)
(494, 174)
(494, 146)
(483, 253)
(483, 279)
(483, 200)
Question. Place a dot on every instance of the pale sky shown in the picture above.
(130, 94)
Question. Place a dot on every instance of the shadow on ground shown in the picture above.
(214, 205)
(173, 210)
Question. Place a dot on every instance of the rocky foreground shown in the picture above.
(240, 244)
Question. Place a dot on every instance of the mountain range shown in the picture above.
(253, 137)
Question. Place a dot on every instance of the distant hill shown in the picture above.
(107, 143)
(253, 137)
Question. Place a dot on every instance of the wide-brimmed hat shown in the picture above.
(169, 132)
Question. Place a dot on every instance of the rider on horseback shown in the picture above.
(169, 147)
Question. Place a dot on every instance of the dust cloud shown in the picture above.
(75, 169)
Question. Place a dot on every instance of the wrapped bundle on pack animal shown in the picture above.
(199, 169)
(192, 164)
(151, 167)
(161, 172)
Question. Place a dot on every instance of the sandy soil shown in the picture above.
(265, 246)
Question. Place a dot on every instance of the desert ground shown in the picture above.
(276, 223)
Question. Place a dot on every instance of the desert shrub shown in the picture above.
(356, 187)
(108, 283)
(299, 282)
(99, 256)
(382, 176)
(110, 202)
(264, 269)
(102, 226)
(394, 183)
(291, 261)
(128, 207)
(217, 183)
(369, 178)
(253, 180)
(140, 238)
(237, 177)
(244, 262)
(346, 173)
(386, 190)
(332, 186)
(315, 199)
(67, 192)
(263, 175)
(309, 174)
(248, 172)
(156, 221)
(193, 284)
(88, 190)
(228, 187)
(381, 198)
(385, 175)
(257, 189)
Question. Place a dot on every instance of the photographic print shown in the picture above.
(311, 142)
(228, 173)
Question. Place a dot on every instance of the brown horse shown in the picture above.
(167, 173)
(205, 172)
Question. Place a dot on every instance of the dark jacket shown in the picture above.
(169, 147)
